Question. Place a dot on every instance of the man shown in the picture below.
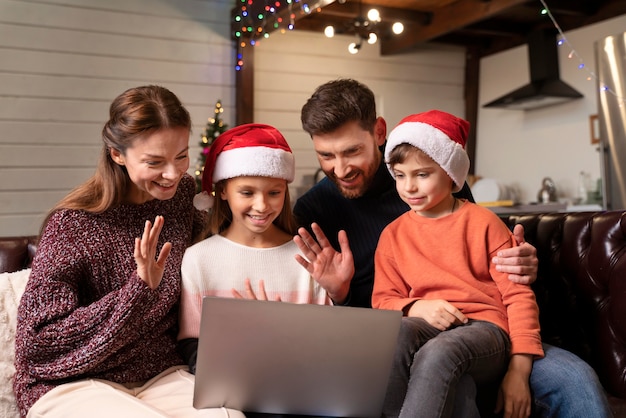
(358, 199)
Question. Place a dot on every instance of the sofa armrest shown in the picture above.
(16, 253)
(581, 287)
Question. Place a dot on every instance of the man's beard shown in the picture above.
(356, 192)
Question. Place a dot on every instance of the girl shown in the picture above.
(252, 229)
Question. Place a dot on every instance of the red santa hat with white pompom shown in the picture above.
(438, 134)
(252, 149)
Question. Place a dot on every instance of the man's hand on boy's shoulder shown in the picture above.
(520, 262)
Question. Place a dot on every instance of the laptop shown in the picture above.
(285, 358)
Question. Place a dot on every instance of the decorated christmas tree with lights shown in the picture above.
(214, 127)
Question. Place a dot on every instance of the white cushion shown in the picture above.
(11, 288)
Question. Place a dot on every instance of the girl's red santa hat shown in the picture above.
(439, 135)
(252, 149)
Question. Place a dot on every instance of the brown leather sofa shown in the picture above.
(581, 287)
(16, 253)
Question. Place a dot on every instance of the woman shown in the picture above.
(96, 334)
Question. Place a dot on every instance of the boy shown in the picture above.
(434, 263)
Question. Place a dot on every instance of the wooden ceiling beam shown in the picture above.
(350, 10)
(445, 20)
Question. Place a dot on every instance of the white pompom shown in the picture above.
(203, 201)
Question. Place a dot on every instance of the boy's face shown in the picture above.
(350, 157)
(424, 185)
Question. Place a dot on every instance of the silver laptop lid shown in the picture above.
(284, 358)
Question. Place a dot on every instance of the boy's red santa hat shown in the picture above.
(439, 135)
(252, 149)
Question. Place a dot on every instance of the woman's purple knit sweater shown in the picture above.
(85, 312)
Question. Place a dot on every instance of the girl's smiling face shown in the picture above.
(255, 202)
(155, 164)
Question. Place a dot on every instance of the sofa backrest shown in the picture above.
(16, 253)
(581, 286)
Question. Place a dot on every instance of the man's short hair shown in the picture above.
(337, 102)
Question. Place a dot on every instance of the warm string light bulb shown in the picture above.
(354, 47)
(373, 15)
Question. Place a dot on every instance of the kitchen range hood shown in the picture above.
(545, 87)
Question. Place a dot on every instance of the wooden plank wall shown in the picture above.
(61, 64)
(288, 67)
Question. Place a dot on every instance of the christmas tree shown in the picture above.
(214, 127)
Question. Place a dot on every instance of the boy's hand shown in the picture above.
(437, 312)
(514, 398)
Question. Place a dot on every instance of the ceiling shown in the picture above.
(486, 26)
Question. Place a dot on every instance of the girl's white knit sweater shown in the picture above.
(215, 266)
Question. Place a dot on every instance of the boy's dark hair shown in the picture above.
(401, 152)
(337, 102)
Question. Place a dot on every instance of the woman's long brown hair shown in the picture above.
(135, 113)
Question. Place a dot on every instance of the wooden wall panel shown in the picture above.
(63, 61)
(132, 18)
(33, 177)
(42, 133)
(26, 202)
(51, 156)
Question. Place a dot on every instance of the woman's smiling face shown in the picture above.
(155, 164)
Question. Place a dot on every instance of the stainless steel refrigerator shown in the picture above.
(611, 82)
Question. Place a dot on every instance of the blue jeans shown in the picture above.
(565, 386)
(429, 363)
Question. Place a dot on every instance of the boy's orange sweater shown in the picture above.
(450, 258)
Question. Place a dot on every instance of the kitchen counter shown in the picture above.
(543, 208)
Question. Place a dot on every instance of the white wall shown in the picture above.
(288, 68)
(61, 64)
(520, 148)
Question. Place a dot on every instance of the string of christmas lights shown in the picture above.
(255, 20)
(574, 54)
(255, 17)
